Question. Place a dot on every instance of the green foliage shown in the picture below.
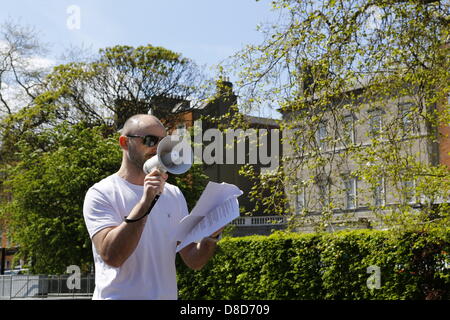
(192, 183)
(327, 66)
(120, 82)
(61, 143)
(413, 265)
(45, 217)
(267, 193)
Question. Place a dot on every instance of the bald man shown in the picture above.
(135, 257)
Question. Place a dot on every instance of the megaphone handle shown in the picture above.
(148, 212)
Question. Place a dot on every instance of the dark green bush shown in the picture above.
(413, 265)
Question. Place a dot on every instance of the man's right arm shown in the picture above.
(115, 244)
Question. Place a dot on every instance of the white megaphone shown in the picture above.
(174, 154)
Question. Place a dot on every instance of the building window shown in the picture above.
(300, 201)
(350, 185)
(322, 134)
(408, 189)
(379, 193)
(323, 188)
(407, 118)
(375, 123)
(349, 129)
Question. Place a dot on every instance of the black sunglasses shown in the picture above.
(148, 140)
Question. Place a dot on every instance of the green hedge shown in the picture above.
(413, 265)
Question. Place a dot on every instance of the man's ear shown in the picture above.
(123, 142)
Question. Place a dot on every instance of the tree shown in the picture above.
(120, 82)
(379, 66)
(64, 139)
(45, 216)
(21, 68)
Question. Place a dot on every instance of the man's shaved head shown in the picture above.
(140, 123)
(135, 153)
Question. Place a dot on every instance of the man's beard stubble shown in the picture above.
(138, 159)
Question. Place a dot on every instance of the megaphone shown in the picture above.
(174, 155)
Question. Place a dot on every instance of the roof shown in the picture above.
(261, 121)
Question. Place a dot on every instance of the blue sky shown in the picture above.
(206, 31)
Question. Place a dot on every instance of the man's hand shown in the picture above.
(154, 184)
(196, 255)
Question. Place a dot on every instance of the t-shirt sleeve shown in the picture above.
(98, 212)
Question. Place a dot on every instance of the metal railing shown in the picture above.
(259, 221)
(45, 286)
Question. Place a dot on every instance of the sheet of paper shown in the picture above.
(217, 206)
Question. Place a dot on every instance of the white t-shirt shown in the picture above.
(149, 273)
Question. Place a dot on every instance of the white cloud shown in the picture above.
(11, 91)
(37, 62)
(14, 96)
(3, 45)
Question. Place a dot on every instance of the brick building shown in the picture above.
(335, 186)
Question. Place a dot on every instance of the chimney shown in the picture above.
(224, 86)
